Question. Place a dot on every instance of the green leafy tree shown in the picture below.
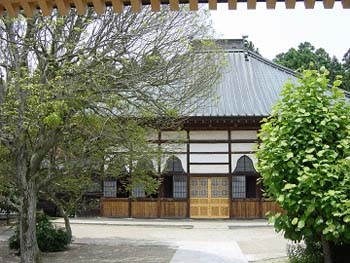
(306, 56)
(304, 159)
(251, 47)
(346, 68)
(59, 67)
(7, 188)
(96, 148)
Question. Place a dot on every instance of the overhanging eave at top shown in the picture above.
(29, 7)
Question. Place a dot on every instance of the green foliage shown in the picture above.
(145, 175)
(304, 159)
(71, 84)
(306, 56)
(50, 238)
(305, 253)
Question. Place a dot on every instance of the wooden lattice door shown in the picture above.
(209, 197)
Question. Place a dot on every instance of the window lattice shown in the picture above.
(239, 186)
(199, 187)
(180, 186)
(138, 191)
(219, 187)
(110, 188)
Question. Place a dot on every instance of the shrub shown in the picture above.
(308, 252)
(49, 238)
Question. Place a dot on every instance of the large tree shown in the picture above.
(59, 67)
(306, 56)
(95, 149)
(304, 160)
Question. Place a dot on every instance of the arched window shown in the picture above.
(116, 180)
(244, 180)
(245, 165)
(174, 183)
(144, 179)
(174, 165)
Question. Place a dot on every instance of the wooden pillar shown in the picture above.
(188, 174)
(260, 201)
(129, 207)
(230, 171)
(158, 207)
(159, 174)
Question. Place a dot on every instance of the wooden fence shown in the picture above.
(171, 208)
(143, 208)
(253, 208)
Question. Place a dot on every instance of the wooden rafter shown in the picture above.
(155, 5)
(46, 7)
(270, 4)
(118, 6)
(29, 7)
(232, 4)
(328, 4)
(174, 5)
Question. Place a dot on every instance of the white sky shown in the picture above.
(275, 31)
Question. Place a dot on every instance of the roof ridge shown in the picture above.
(273, 64)
(285, 69)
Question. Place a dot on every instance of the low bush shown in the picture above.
(49, 238)
(308, 252)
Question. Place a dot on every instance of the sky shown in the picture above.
(275, 31)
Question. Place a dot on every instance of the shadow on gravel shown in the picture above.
(86, 253)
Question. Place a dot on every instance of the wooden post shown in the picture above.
(230, 172)
(129, 207)
(188, 174)
(158, 207)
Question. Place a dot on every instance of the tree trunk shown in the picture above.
(29, 246)
(327, 256)
(27, 221)
(7, 217)
(66, 220)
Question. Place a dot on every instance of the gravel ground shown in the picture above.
(148, 244)
(96, 250)
(84, 253)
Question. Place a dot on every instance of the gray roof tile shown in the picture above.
(247, 87)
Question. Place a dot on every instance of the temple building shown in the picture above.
(209, 169)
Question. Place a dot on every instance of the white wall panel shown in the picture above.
(174, 147)
(152, 136)
(209, 158)
(243, 147)
(209, 147)
(243, 135)
(208, 135)
(174, 135)
(209, 169)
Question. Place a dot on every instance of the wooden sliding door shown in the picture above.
(209, 197)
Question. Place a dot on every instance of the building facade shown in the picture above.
(208, 169)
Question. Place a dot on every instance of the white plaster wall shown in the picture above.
(243, 147)
(235, 157)
(152, 136)
(182, 157)
(209, 158)
(174, 147)
(174, 135)
(209, 147)
(208, 135)
(209, 169)
(243, 135)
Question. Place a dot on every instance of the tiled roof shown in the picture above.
(30, 6)
(249, 86)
